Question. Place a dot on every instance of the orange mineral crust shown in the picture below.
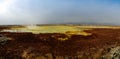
(90, 43)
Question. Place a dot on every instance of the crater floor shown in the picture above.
(59, 42)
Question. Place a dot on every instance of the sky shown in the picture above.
(102, 12)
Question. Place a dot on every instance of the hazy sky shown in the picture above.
(60, 11)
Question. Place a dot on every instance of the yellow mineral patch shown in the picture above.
(67, 29)
(78, 33)
(62, 39)
(45, 29)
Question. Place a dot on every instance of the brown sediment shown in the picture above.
(26, 45)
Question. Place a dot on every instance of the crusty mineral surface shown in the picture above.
(61, 42)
